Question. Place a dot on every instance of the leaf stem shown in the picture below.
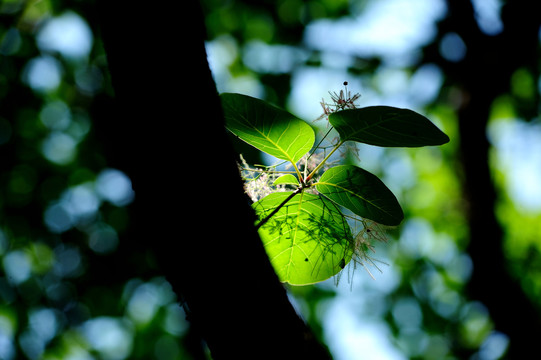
(298, 172)
(323, 161)
(269, 171)
(320, 141)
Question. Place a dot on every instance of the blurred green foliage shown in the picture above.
(64, 210)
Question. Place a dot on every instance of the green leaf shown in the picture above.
(387, 126)
(361, 192)
(286, 179)
(266, 127)
(307, 240)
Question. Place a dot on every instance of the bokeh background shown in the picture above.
(463, 279)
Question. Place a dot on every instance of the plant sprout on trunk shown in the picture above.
(319, 216)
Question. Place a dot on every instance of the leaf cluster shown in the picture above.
(305, 225)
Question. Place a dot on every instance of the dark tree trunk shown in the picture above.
(190, 207)
(483, 75)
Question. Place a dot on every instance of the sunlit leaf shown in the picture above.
(266, 127)
(286, 179)
(361, 192)
(387, 126)
(307, 240)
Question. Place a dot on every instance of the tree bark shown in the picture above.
(190, 207)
